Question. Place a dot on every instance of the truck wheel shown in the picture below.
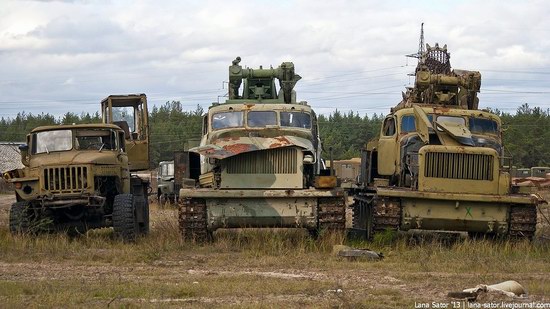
(20, 218)
(125, 222)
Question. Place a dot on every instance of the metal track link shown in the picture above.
(523, 221)
(360, 211)
(332, 213)
(386, 214)
(192, 220)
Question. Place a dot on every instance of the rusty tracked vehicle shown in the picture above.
(78, 177)
(438, 162)
(260, 162)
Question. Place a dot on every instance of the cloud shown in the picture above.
(349, 53)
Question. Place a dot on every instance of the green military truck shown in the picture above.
(259, 161)
(78, 177)
(166, 190)
(438, 162)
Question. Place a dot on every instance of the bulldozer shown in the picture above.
(81, 176)
(438, 162)
(259, 162)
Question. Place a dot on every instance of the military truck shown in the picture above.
(347, 172)
(166, 192)
(520, 172)
(540, 171)
(78, 177)
(260, 161)
(438, 162)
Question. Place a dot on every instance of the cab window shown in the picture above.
(389, 127)
(295, 119)
(227, 120)
(91, 139)
(408, 124)
(483, 126)
(261, 119)
(450, 119)
(125, 114)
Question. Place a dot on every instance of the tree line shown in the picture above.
(526, 131)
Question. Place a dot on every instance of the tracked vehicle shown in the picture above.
(260, 161)
(438, 162)
(78, 177)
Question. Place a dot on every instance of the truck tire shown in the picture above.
(20, 218)
(125, 222)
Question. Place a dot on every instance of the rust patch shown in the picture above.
(238, 148)
(282, 139)
(282, 142)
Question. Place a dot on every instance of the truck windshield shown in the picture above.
(408, 124)
(261, 119)
(296, 119)
(48, 141)
(167, 169)
(450, 119)
(483, 126)
(93, 139)
(227, 120)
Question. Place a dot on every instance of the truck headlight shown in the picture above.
(27, 189)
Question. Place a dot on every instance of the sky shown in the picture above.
(65, 56)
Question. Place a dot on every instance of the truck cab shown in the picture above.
(260, 161)
(78, 177)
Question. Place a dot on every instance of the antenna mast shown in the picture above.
(421, 45)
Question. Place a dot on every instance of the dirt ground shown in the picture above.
(261, 270)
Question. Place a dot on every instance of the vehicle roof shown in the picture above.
(77, 126)
(261, 106)
(124, 99)
(445, 110)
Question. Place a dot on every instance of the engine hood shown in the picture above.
(227, 147)
(75, 157)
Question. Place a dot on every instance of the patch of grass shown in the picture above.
(59, 293)
(156, 267)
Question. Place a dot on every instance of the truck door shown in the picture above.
(186, 168)
(387, 147)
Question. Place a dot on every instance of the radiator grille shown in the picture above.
(459, 166)
(272, 161)
(66, 179)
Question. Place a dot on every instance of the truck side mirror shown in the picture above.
(24, 150)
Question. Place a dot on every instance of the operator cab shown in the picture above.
(129, 112)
